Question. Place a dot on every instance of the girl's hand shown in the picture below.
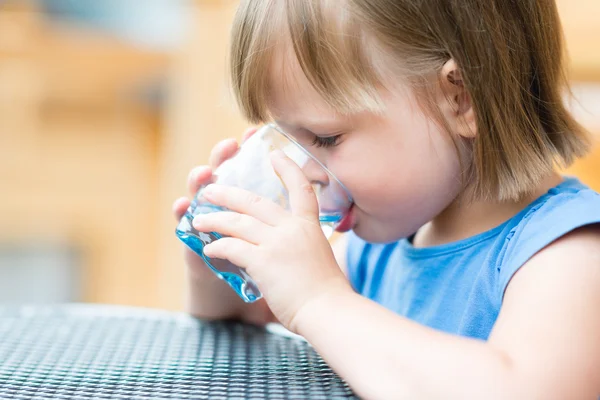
(286, 253)
(208, 296)
(198, 177)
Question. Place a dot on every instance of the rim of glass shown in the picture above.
(308, 153)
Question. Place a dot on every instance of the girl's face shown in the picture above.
(400, 167)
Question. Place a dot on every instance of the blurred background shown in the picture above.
(105, 105)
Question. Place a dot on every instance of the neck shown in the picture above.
(462, 220)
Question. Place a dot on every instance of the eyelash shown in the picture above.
(329, 141)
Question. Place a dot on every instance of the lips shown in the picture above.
(347, 222)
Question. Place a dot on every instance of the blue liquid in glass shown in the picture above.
(236, 277)
(329, 222)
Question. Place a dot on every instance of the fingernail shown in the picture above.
(210, 189)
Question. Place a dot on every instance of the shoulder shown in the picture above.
(566, 216)
(571, 256)
(583, 241)
(549, 319)
(578, 250)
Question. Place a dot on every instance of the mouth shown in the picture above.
(347, 223)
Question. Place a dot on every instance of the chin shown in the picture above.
(379, 234)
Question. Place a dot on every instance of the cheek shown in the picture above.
(443, 169)
(426, 161)
(398, 186)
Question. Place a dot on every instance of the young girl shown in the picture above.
(473, 268)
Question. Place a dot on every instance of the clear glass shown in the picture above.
(251, 169)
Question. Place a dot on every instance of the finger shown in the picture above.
(180, 206)
(222, 151)
(198, 177)
(232, 224)
(249, 132)
(236, 251)
(245, 202)
(303, 200)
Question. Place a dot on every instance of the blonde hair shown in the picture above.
(510, 58)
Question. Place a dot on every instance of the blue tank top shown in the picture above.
(458, 287)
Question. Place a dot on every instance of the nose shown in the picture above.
(315, 174)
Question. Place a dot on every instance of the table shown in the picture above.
(83, 351)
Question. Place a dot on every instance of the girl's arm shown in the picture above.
(545, 344)
(340, 247)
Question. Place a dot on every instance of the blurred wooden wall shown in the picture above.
(78, 155)
(582, 31)
(588, 168)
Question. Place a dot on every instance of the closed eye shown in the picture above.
(328, 141)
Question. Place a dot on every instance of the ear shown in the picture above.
(457, 105)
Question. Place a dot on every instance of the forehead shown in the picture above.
(290, 96)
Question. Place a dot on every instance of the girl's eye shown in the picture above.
(329, 141)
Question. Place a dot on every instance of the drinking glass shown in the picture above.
(251, 169)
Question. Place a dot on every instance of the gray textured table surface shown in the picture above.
(108, 352)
